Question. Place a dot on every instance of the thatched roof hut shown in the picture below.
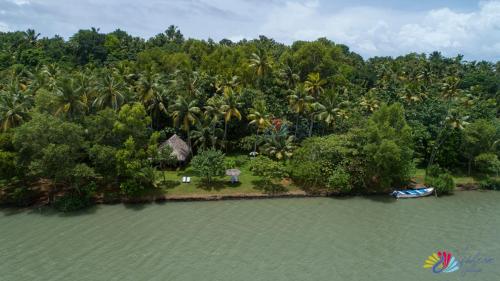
(179, 147)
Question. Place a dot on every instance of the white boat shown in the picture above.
(413, 193)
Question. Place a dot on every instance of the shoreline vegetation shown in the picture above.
(109, 117)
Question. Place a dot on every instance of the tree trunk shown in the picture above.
(311, 126)
(255, 143)
(225, 129)
(213, 136)
(296, 125)
(189, 142)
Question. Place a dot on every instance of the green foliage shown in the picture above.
(8, 168)
(487, 163)
(133, 170)
(165, 157)
(103, 159)
(490, 183)
(340, 180)
(388, 148)
(316, 160)
(133, 121)
(88, 110)
(443, 183)
(209, 164)
(270, 171)
(479, 138)
(73, 201)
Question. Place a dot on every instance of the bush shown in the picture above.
(269, 170)
(247, 143)
(209, 164)
(72, 202)
(487, 163)
(443, 183)
(7, 165)
(265, 167)
(308, 174)
(133, 169)
(490, 183)
(340, 180)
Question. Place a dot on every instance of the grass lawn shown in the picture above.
(248, 184)
(459, 178)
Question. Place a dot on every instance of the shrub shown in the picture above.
(133, 170)
(230, 164)
(265, 167)
(72, 201)
(247, 143)
(490, 183)
(7, 165)
(443, 183)
(487, 163)
(209, 164)
(269, 170)
(340, 180)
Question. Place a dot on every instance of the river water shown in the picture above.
(372, 238)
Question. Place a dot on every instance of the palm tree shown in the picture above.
(278, 144)
(185, 113)
(188, 82)
(313, 109)
(413, 93)
(261, 64)
(369, 102)
(223, 84)
(31, 36)
(110, 91)
(14, 107)
(148, 83)
(71, 100)
(331, 108)
(230, 108)
(300, 101)
(260, 119)
(289, 76)
(152, 94)
(314, 84)
(204, 136)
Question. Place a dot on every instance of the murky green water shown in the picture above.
(284, 239)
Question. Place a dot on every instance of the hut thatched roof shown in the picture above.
(179, 147)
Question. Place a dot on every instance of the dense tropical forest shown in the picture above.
(87, 115)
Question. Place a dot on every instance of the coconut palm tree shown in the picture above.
(260, 119)
(289, 76)
(71, 101)
(261, 65)
(314, 84)
(147, 85)
(230, 108)
(278, 144)
(185, 113)
(369, 102)
(204, 136)
(153, 95)
(14, 107)
(300, 100)
(332, 108)
(110, 92)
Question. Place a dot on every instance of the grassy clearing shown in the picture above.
(459, 178)
(249, 184)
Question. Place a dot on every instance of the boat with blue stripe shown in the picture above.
(413, 193)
